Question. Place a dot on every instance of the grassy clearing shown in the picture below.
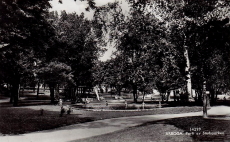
(206, 125)
(29, 119)
(156, 131)
(97, 115)
(150, 133)
(24, 120)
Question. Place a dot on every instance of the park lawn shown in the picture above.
(24, 120)
(27, 119)
(99, 115)
(206, 125)
(157, 131)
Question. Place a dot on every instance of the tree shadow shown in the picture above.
(24, 120)
(201, 129)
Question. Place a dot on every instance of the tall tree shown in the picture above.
(24, 36)
(141, 42)
(81, 45)
(54, 73)
(194, 15)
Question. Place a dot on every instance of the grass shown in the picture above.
(150, 133)
(97, 115)
(206, 125)
(156, 131)
(24, 120)
(29, 119)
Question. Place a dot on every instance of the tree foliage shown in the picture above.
(79, 46)
(24, 35)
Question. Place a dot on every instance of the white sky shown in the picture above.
(77, 6)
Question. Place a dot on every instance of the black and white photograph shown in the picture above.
(114, 70)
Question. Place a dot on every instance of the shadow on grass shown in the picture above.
(201, 129)
(2, 97)
(24, 120)
(35, 97)
(33, 102)
(25, 103)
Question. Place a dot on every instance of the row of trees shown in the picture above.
(42, 47)
(161, 44)
(24, 35)
(169, 45)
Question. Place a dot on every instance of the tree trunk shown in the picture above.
(34, 87)
(143, 101)
(135, 93)
(162, 97)
(23, 89)
(205, 101)
(215, 94)
(187, 69)
(143, 98)
(119, 90)
(15, 91)
(8, 89)
(11, 94)
(44, 87)
(106, 89)
(199, 96)
(57, 91)
(167, 97)
(174, 96)
(52, 86)
(38, 89)
(212, 95)
(196, 96)
(208, 100)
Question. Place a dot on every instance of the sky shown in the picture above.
(77, 6)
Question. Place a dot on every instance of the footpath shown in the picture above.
(96, 128)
